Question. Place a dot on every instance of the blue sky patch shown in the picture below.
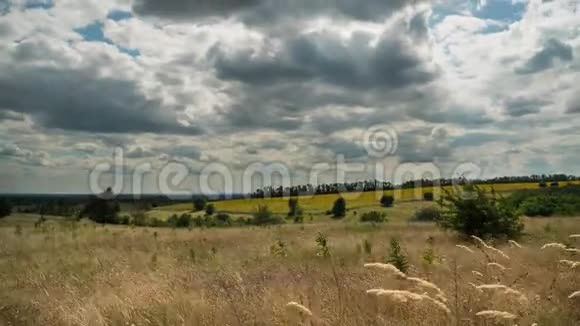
(118, 15)
(501, 10)
(39, 4)
(94, 33)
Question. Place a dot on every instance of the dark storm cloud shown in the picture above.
(520, 106)
(266, 12)
(354, 63)
(11, 115)
(546, 58)
(77, 100)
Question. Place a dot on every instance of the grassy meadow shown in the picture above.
(79, 273)
(317, 205)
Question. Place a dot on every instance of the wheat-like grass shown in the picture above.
(298, 308)
(499, 252)
(480, 241)
(497, 265)
(477, 273)
(425, 284)
(466, 248)
(574, 236)
(389, 268)
(494, 314)
(404, 297)
(491, 287)
(554, 245)
(515, 244)
(573, 250)
(574, 295)
(569, 263)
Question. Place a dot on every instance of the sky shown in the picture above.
(493, 84)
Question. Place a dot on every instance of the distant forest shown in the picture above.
(373, 185)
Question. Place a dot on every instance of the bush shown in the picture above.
(5, 208)
(183, 221)
(428, 196)
(294, 210)
(373, 216)
(339, 208)
(223, 219)
(387, 201)
(428, 214)
(472, 212)
(263, 216)
(209, 209)
(199, 203)
(554, 184)
(547, 201)
(542, 184)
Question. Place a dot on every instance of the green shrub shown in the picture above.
(428, 214)
(339, 208)
(473, 212)
(387, 201)
(294, 210)
(428, 196)
(223, 218)
(209, 209)
(373, 216)
(263, 216)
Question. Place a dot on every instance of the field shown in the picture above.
(67, 273)
(319, 204)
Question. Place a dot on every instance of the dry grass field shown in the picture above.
(83, 274)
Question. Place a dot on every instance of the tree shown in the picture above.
(5, 208)
(387, 201)
(339, 208)
(473, 212)
(428, 196)
(209, 209)
(103, 208)
(199, 203)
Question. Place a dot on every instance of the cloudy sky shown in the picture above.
(495, 83)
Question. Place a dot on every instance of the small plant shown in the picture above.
(322, 243)
(367, 246)
(278, 249)
(387, 201)
(18, 230)
(339, 208)
(397, 258)
(373, 216)
(192, 256)
(429, 256)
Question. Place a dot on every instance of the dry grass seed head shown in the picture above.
(295, 307)
(389, 268)
(498, 266)
(514, 244)
(466, 248)
(554, 245)
(574, 295)
(494, 314)
(476, 273)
